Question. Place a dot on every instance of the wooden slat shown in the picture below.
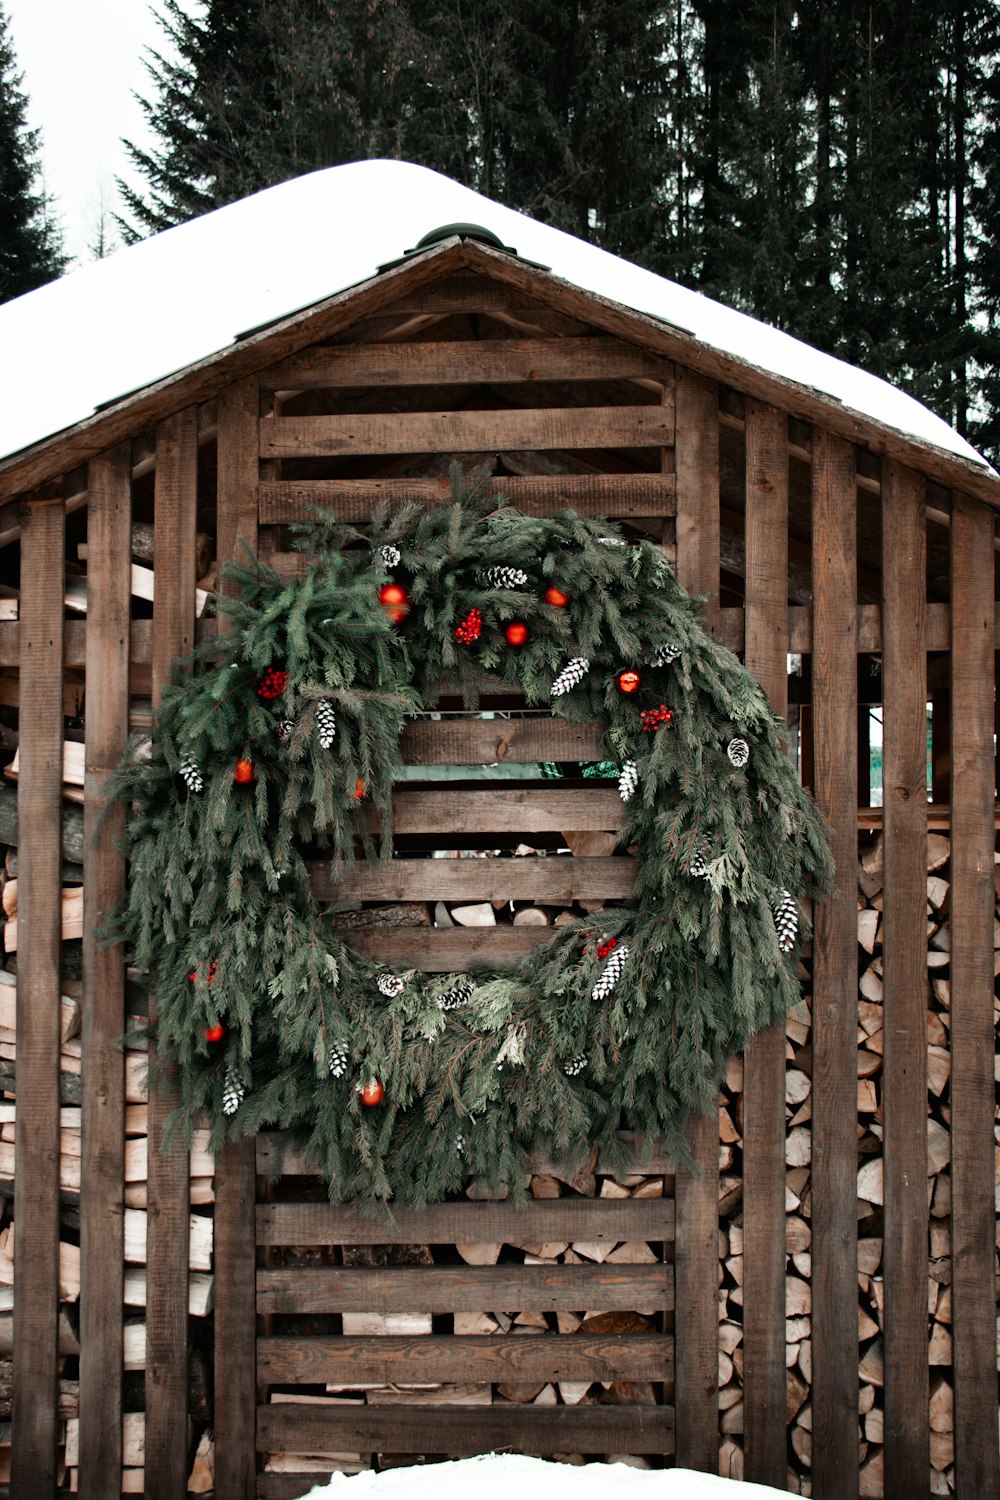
(557, 877)
(395, 1359)
(175, 526)
(453, 362)
(617, 495)
(443, 950)
(835, 975)
(109, 514)
(453, 1223)
(277, 1153)
(235, 1299)
(484, 742)
(904, 1077)
(501, 810)
(326, 1289)
(972, 1032)
(697, 460)
(466, 431)
(457, 1430)
(36, 1193)
(765, 1437)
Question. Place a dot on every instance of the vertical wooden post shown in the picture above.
(235, 1183)
(904, 1078)
(835, 975)
(39, 810)
(174, 530)
(765, 1438)
(973, 613)
(102, 1173)
(697, 1227)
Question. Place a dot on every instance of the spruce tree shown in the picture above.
(30, 242)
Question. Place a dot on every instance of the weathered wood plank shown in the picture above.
(36, 1192)
(444, 950)
(972, 1031)
(392, 1359)
(235, 1181)
(102, 1251)
(502, 810)
(451, 1223)
(835, 978)
(697, 460)
(277, 1152)
(175, 528)
(466, 431)
(616, 495)
(454, 362)
(765, 1436)
(557, 877)
(904, 1077)
(457, 1430)
(325, 1289)
(484, 742)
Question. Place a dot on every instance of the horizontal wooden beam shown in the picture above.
(342, 436)
(282, 1154)
(440, 810)
(433, 1289)
(619, 1219)
(557, 877)
(446, 950)
(618, 496)
(459, 362)
(395, 1359)
(420, 1429)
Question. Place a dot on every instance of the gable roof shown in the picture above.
(113, 329)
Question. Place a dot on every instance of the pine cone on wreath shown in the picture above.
(699, 860)
(786, 920)
(454, 999)
(664, 655)
(326, 723)
(628, 781)
(389, 555)
(233, 1092)
(504, 578)
(739, 752)
(572, 673)
(191, 775)
(390, 985)
(610, 974)
(338, 1059)
(576, 1065)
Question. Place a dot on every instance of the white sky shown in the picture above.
(81, 61)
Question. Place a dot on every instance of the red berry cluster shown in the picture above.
(209, 975)
(470, 629)
(608, 946)
(272, 684)
(657, 718)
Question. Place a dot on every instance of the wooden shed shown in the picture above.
(815, 1306)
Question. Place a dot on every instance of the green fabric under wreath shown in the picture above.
(279, 737)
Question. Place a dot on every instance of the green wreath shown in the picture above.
(272, 741)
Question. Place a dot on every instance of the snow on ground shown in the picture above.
(498, 1476)
(120, 324)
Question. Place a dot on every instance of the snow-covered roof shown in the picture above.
(146, 312)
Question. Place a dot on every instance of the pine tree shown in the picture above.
(30, 242)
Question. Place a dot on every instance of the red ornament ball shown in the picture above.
(395, 601)
(244, 772)
(215, 1032)
(516, 633)
(556, 597)
(629, 682)
(373, 1093)
(272, 684)
(359, 788)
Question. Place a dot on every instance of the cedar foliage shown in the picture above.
(219, 914)
(30, 243)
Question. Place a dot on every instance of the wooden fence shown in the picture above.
(756, 507)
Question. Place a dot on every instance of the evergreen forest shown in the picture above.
(30, 240)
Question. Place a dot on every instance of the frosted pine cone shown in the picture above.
(191, 775)
(390, 985)
(338, 1059)
(285, 727)
(572, 673)
(786, 920)
(460, 1143)
(610, 974)
(664, 655)
(699, 860)
(454, 999)
(504, 578)
(389, 555)
(739, 752)
(628, 781)
(576, 1065)
(326, 723)
(233, 1093)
